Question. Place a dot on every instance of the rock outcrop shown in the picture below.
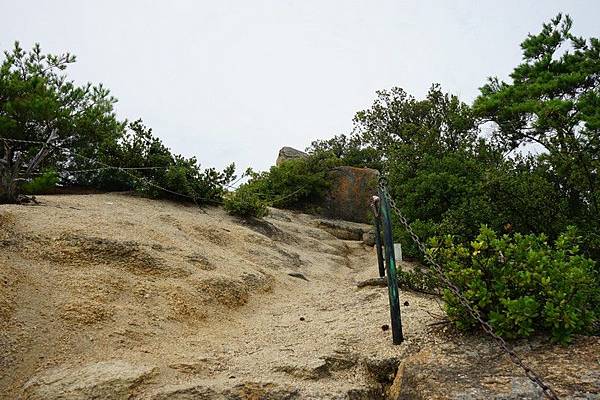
(289, 153)
(350, 193)
(475, 368)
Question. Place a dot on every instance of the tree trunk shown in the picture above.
(10, 169)
(8, 186)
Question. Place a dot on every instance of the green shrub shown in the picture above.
(423, 229)
(244, 202)
(41, 184)
(297, 184)
(521, 284)
(153, 167)
(184, 176)
(418, 280)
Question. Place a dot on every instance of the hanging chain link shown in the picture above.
(515, 358)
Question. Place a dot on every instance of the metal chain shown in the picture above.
(515, 358)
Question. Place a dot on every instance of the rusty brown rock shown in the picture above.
(350, 193)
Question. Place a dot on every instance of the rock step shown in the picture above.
(325, 378)
(109, 380)
(346, 230)
(266, 391)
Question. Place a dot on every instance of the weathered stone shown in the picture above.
(110, 380)
(474, 368)
(187, 392)
(341, 362)
(198, 367)
(368, 393)
(344, 230)
(261, 391)
(317, 369)
(382, 370)
(320, 368)
(368, 238)
(350, 194)
(298, 275)
(377, 282)
(265, 391)
(267, 229)
(289, 153)
(339, 232)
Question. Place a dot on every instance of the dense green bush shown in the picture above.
(522, 284)
(143, 164)
(298, 183)
(152, 169)
(42, 183)
(245, 202)
(184, 177)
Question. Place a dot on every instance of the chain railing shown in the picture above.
(515, 358)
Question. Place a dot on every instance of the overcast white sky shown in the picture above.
(236, 80)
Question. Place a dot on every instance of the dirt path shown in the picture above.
(321, 337)
(172, 302)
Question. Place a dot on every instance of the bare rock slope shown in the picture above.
(117, 297)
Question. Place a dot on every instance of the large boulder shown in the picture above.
(289, 153)
(350, 193)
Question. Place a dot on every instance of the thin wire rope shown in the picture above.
(77, 171)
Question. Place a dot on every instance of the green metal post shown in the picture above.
(377, 218)
(390, 259)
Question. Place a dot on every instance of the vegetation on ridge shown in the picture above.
(51, 124)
